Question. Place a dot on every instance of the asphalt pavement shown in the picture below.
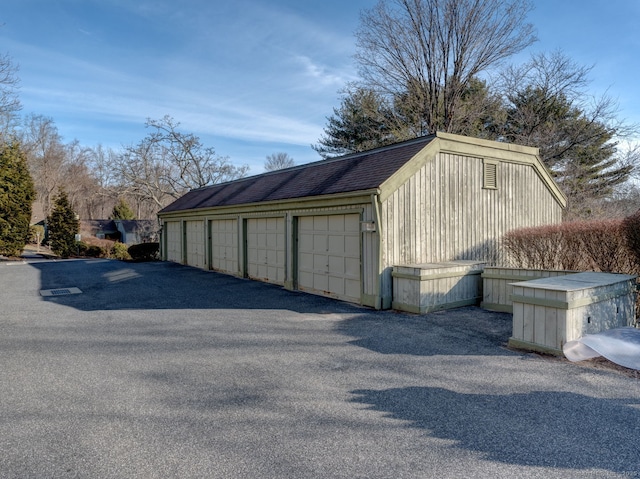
(155, 370)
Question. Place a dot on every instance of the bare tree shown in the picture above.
(278, 161)
(46, 157)
(79, 180)
(167, 163)
(9, 80)
(108, 186)
(431, 50)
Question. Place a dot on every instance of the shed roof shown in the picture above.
(345, 174)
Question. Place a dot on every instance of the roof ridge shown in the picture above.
(325, 161)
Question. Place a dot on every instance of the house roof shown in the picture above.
(345, 174)
(131, 226)
(98, 226)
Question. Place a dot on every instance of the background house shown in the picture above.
(126, 231)
(101, 229)
(337, 227)
(137, 231)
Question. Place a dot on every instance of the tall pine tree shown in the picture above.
(63, 226)
(16, 197)
(122, 211)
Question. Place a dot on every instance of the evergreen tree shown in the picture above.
(16, 197)
(364, 121)
(578, 148)
(122, 211)
(63, 226)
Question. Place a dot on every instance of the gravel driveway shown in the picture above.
(162, 371)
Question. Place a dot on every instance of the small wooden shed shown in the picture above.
(337, 227)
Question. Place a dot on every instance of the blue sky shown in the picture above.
(249, 77)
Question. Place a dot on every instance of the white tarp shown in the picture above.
(620, 345)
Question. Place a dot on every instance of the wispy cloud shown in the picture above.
(322, 74)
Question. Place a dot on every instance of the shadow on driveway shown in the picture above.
(115, 285)
(463, 331)
(540, 428)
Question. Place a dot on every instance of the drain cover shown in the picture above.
(59, 291)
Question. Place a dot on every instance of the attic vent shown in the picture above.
(490, 174)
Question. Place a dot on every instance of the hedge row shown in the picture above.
(116, 250)
(599, 245)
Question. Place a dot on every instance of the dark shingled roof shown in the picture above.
(354, 172)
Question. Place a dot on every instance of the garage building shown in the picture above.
(337, 227)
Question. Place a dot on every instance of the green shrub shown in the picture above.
(119, 251)
(145, 251)
(63, 226)
(16, 196)
(94, 251)
(82, 248)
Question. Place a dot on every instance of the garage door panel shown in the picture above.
(352, 268)
(305, 277)
(224, 245)
(320, 243)
(305, 242)
(352, 288)
(352, 224)
(329, 255)
(320, 223)
(305, 261)
(305, 223)
(337, 264)
(265, 249)
(336, 244)
(320, 282)
(336, 223)
(195, 241)
(320, 263)
(174, 244)
(336, 285)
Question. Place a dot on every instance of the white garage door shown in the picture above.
(224, 245)
(265, 249)
(174, 242)
(329, 255)
(195, 241)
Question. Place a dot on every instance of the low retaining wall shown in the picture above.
(420, 288)
(496, 285)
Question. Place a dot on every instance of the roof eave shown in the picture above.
(359, 196)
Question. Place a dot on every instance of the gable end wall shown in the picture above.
(443, 213)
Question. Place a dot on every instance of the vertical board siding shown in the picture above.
(551, 311)
(443, 213)
(370, 256)
(497, 289)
